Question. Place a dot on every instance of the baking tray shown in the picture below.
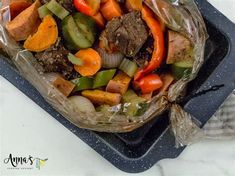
(139, 150)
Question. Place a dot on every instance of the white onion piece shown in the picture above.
(82, 104)
(110, 60)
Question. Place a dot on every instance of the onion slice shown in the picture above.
(82, 104)
(110, 60)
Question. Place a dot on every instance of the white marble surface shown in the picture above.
(27, 129)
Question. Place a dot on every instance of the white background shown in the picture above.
(26, 129)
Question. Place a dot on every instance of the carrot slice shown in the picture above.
(94, 4)
(91, 62)
(134, 5)
(99, 19)
(111, 9)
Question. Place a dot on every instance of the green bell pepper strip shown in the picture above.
(82, 83)
(102, 78)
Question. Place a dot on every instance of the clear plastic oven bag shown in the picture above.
(182, 16)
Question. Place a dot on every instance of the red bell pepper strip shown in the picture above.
(159, 49)
(149, 83)
(83, 7)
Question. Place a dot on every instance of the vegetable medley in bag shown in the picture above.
(106, 65)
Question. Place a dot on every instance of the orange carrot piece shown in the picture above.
(99, 19)
(91, 62)
(134, 5)
(94, 4)
(111, 9)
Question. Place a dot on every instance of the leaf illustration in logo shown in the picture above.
(42, 162)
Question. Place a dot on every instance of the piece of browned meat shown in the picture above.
(179, 48)
(55, 60)
(128, 33)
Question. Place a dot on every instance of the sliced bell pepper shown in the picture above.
(82, 83)
(87, 7)
(149, 83)
(102, 78)
(158, 35)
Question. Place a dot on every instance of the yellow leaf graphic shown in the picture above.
(42, 162)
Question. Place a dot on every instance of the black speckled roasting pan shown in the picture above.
(139, 150)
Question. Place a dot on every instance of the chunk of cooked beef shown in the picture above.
(179, 48)
(128, 33)
(55, 60)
